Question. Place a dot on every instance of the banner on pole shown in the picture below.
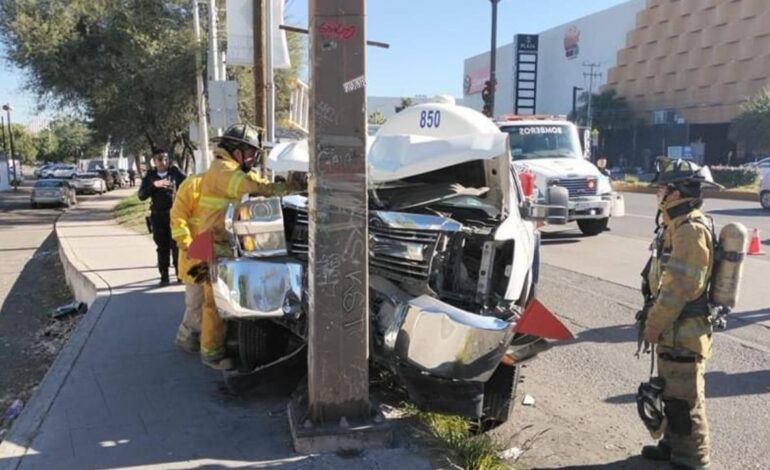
(240, 34)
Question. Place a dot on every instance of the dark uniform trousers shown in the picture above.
(165, 245)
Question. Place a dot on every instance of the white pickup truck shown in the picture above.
(550, 148)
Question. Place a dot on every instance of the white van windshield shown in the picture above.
(542, 141)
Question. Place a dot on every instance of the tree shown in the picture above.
(75, 139)
(609, 111)
(752, 126)
(405, 103)
(24, 147)
(376, 118)
(128, 65)
(47, 145)
(285, 80)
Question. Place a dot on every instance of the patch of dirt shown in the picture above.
(29, 338)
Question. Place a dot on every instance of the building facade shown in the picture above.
(683, 66)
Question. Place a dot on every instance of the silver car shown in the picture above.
(53, 192)
(89, 183)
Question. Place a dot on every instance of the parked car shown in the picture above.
(89, 183)
(54, 192)
(47, 172)
(64, 171)
(38, 172)
(109, 180)
(764, 188)
(762, 164)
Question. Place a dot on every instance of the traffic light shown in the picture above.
(486, 97)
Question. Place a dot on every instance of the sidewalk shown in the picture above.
(121, 396)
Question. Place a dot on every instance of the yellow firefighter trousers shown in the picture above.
(190, 326)
(212, 326)
(687, 432)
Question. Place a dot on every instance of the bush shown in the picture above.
(735, 177)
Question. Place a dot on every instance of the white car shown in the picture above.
(64, 171)
(549, 147)
(764, 188)
(89, 183)
(761, 165)
(453, 262)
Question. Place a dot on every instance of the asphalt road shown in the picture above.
(584, 414)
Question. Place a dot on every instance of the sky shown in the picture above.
(429, 39)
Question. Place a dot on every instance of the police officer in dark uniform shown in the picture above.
(159, 185)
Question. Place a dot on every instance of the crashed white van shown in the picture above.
(453, 262)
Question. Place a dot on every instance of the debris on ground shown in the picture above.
(511, 454)
(529, 400)
(12, 412)
(73, 308)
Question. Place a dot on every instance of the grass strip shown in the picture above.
(131, 212)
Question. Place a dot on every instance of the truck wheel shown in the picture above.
(260, 342)
(592, 227)
(764, 199)
(500, 396)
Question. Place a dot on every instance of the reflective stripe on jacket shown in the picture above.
(185, 222)
(681, 278)
(223, 183)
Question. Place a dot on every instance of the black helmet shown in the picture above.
(682, 174)
(242, 134)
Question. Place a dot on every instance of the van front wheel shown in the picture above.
(592, 227)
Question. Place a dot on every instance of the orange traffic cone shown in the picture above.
(755, 245)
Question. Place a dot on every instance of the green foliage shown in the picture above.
(47, 145)
(752, 126)
(405, 103)
(24, 143)
(735, 177)
(75, 139)
(131, 211)
(285, 80)
(609, 111)
(376, 118)
(474, 451)
(128, 65)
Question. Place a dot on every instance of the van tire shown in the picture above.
(764, 199)
(500, 396)
(593, 227)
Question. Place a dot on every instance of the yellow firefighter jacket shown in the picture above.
(679, 276)
(223, 183)
(185, 222)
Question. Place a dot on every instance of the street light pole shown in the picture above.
(5, 148)
(7, 108)
(493, 59)
(575, 89)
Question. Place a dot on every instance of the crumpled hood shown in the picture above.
(559, 167)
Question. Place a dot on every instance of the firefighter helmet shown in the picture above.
(244, 134)
(682, 172)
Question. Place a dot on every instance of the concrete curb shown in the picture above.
(86, 287)
(730, 195)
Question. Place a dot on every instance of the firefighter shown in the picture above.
(677, 312)
(185, 224)
(228, 178)
(159, 185)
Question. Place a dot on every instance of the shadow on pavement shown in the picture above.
(609, 334)
(631, 463)
(560, 238)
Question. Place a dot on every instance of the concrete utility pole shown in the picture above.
(5, 148)
(260, 108)
(493, 59)
(335, 413)
(203, 125)
(270, 72)
(8, 108)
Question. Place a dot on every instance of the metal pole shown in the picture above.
(260, 117)
(5, 148)
(335, 413)
(270, 104)
(213, 48)
(8, 109)
(203, 125)
(493, 59)
(575, 89)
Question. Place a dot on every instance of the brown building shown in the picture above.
(689, 64)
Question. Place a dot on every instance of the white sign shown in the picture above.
(240, 34)
(223, 103)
